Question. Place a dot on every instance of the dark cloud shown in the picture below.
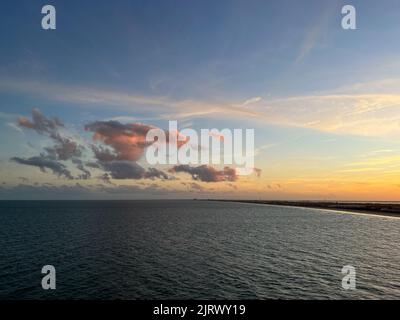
(94, 165)
(152, 173)
(79, 165)
(65, 147)
(102, 154)
(105, 177)
(43, 163)
(131, 170)
(207, 173)
(40, 123)
(124, 170)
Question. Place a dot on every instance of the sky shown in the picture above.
(76, 102)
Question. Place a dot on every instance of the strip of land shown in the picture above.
(377, 208)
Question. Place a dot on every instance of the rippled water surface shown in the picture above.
(194, 249)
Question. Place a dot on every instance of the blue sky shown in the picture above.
(317, 95)
(182, 49)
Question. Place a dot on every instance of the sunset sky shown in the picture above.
(324, 102)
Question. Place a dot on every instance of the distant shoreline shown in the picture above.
(381, 209)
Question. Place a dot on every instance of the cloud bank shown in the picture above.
(114, 151)
(44, 163)
(207, 173)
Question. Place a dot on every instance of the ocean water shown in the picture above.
(194, 250)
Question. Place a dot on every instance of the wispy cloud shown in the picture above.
(251, 101)
(308, 43)
(163, 106)
(360, 114)
(369, 109)
(315, 32)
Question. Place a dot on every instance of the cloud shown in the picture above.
(363, 109)
(42, 162)
(131, 170)
(207, 173)
(14, 127)
(339, 112)
(383, 151)
(124, 141)
(251, 101)
(128, 141)
(102, 154)
(93, 164)
(315, 33)
(196, 186)
(65, 147)
(124, 170)
(233, 186)
(161, 107)
(257, 172)
(152, 173)
(45, 191)
(80, 166)
(40, 123)
(124, 144)
(105, 177)
(77, 191)
(309, 43)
